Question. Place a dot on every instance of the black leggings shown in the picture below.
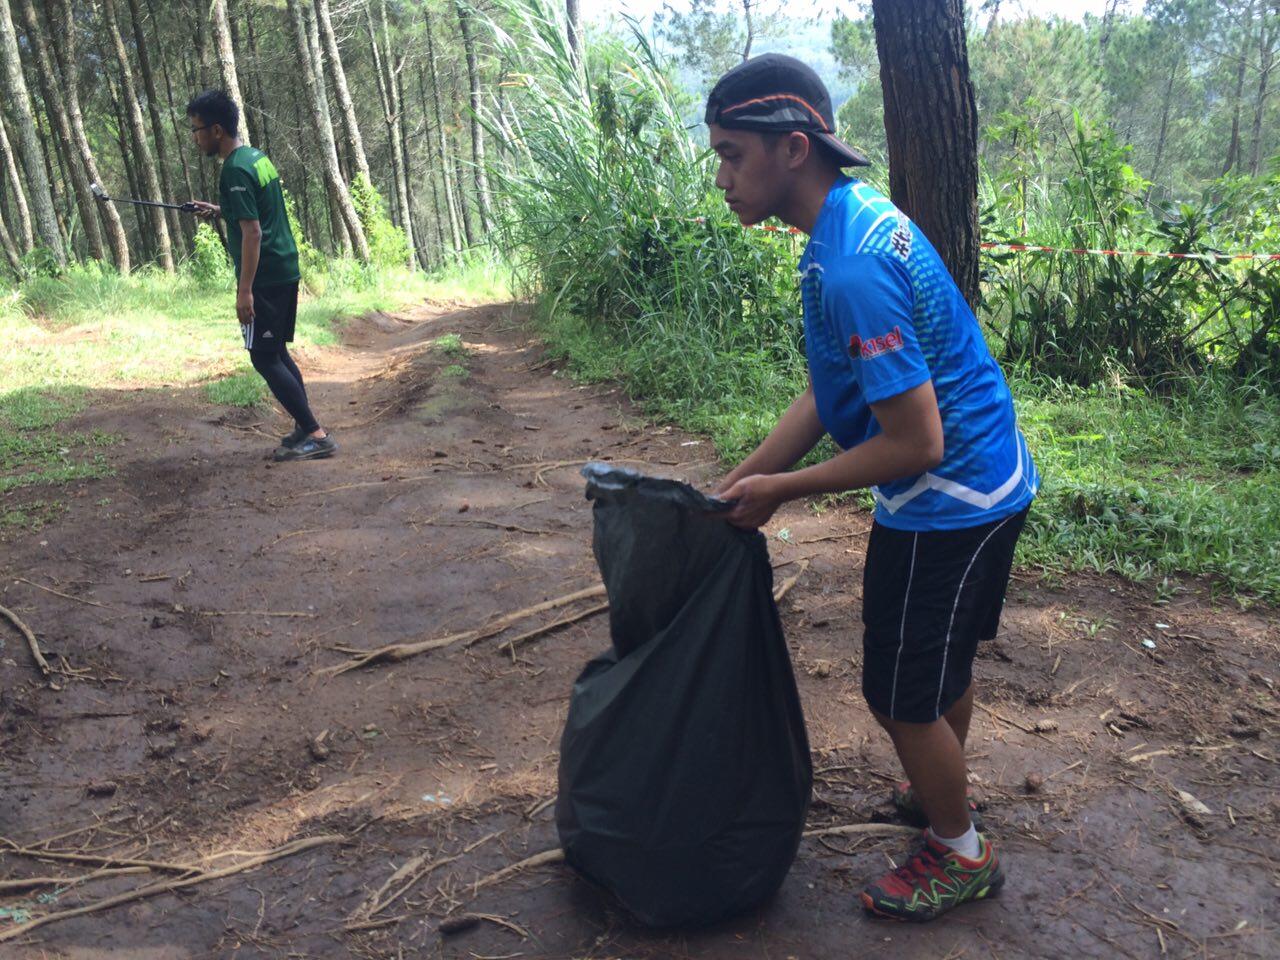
(285, 380)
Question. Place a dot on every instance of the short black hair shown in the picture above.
(215, 106)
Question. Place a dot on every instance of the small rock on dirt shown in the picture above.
(319, 749)
(1045, 726)
(1034, 783)
(465, 507)
(821, 668)
(102, 788)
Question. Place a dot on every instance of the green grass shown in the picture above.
(77, 338)
(1142, 485)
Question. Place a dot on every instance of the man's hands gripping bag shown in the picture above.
(684, 764)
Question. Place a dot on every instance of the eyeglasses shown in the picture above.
(198, 129)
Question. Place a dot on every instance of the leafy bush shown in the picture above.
(388, 245)
(209, 264)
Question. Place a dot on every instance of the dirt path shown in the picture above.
(205, 588)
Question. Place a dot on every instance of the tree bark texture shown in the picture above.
(455, 232)
(931, 125)
(477, 131)
(313, 81)
(40, 194)
(227, 60)
(573, 24)
(355, 143)
(144, 162)
(55, 105)
(157, 122)
(27, 234)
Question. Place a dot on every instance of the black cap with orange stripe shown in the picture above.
(774, 93)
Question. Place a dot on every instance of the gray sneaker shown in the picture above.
(308, 449)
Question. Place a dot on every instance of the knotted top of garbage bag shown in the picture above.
(607, 482)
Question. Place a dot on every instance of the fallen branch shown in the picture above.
(65, 882)
(395, 652)
(528, 863)
(41, 662)
(1013, 723)
(554, 625)
(57, 593)
(413, 871)
(883, 829)
(167, 886)
(790, 582)
(39, 854)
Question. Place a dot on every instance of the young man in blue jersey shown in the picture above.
(900, 377)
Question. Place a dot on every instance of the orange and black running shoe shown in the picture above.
(935, 880)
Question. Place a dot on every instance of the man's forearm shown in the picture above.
(797, 432)
(882, 459)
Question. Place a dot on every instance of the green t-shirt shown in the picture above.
(249, 189)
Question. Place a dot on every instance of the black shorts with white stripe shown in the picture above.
(275, 313)
(928, 598)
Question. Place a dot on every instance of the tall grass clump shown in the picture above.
(609, 215)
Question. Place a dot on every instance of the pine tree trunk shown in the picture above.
(227, 58)
(179, 136)
(249, 116)
(573, 24)
(26, 235)
(751, 29)
(256, 78)
(1267, 29)
(57, 14)
(931, 125)
(157, 123)
(137, 126)
(1233, 145)
(388, 93)
(7, 246)
(454, 232)
(55, 104)
(351, 125)
(312, 80)
(14, 86)
(406, 163)
(1163, 138)
(140, 214)
(477, 131)
(464, 209)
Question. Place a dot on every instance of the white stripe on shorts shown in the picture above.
(902, 627)
(937, 708)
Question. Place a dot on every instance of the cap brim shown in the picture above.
(847, 156)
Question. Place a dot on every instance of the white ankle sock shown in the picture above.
(966, 844)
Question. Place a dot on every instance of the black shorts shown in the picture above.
(928, 598)
(275, 312)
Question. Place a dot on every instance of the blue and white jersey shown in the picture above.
(881, 316)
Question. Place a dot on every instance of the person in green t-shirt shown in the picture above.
(266, 262)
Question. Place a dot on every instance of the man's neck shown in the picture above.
(228, 145)
(805, 203)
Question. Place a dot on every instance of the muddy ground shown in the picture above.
(190, 603)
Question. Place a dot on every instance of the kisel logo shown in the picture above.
(876, 346)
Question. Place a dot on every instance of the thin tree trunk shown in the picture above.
(140, 214)
(6, 244)
(464, 211)
(256, 78)
(14, 87)
(26, 234)
(179, 135)
(55, 104)
(352, 126)
(138, 128)
(1233, 145)
(751, 29)
(388, 93)
(226, 57)
(573, 24)
(57, 13)
(313, 82)
(1164, 126)
(249, 116)
(157, 123)
(477, 131)
(1270, 24)
(931, 125)
(454, 232)
(406, 165)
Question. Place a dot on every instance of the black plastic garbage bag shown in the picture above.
(684, 765)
